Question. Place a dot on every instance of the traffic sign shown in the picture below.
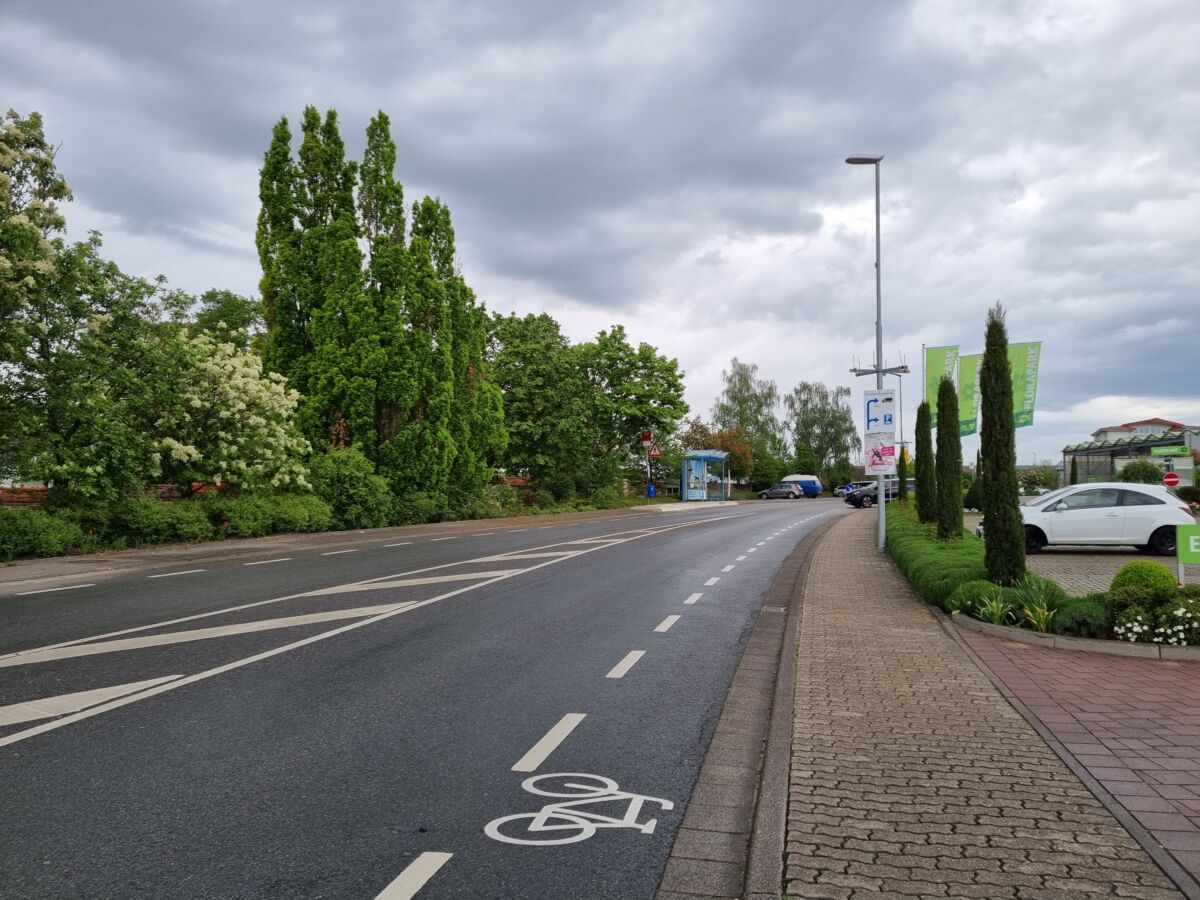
(1173, 450)
(880, 409)
(1171, 479)
(647, 439)
(654, 451)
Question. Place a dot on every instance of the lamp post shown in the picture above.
(875, 161)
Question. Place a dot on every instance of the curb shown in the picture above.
(1159, 854)
(738, 850)
(1081, 645)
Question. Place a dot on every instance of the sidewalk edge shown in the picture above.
(1161, 856)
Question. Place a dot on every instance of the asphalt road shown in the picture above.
(358, 722)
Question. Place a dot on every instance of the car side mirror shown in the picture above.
(1061, 506)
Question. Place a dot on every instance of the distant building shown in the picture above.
(1114, 446)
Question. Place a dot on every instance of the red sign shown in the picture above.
(654, 451)
(1171, 479)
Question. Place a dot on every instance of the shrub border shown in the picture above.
(1082, 645)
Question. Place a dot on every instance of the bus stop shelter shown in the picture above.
(698, 478)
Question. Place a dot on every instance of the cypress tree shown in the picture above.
(902, 476)
(1074, 471)
(926, 480)
(1004, 530)
(949, 464)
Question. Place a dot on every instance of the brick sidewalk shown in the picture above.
(912, 776)
(1133, 723)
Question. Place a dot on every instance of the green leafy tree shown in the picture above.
(949, 465)
(287, 347)
(30, 221)
(1004, 532)
(927, 485)
(821, 424)
(750, 403)
(1140, 472)
(229, 317)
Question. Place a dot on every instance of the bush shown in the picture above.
(31, 532)
(298, 512)
(496, 501)
(255, 515)
(416, 508)
(144, 520)
(1179, 622)
(357, 497)
(1134, 624)
(935, 568)
(1089, 616)
(1155, 579)
(1140, 472)
(607, 497)
(967, 597)
(1188, 494)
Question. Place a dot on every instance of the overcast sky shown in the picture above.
(678, 168)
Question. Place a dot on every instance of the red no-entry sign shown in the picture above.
(1171, 479)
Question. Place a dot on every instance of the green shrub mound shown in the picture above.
(967, 596)
(1155, 579)
(147, 520)
(31, 532)
(1089, 617)
(255, 515)
(346, 481)
(935, 568)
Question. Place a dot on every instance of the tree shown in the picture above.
(749, 402)
(974, 497)
(902, 475)
(1140, 471)
(926, 477)
(30, 188)
(1074, 471)
(822, 426)
(229, 317)
(949, 464)
(1004, 532)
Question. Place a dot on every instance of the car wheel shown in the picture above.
(793, 496)
(1034, 541)
(1162, 541)
(867, 503)
(1142, 548)
(762, 496)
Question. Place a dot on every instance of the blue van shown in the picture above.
(809, 484)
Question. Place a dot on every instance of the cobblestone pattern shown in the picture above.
(1133, 723)
(911, 775)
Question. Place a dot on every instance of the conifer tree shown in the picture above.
(949, 464)
(1004, 529)
(902, 475)
(926, 478)
(1074, 471)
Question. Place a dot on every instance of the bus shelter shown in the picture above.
(699, 479)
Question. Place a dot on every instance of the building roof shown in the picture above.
(1166, 425)
(1160, 438)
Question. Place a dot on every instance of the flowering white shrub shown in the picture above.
(1179, 623)
(1133, 625)
(231, 423)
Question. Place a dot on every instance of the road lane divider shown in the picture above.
(740, 558)
(339, 552)
(414, 877)
(48, 707)
(539, 752)
(266, 562)
(665, 624)
(728, 568)
(693, 598)
(712, 581)
(70, 587)
(401, 544)
(172, 574)
(619, 670)
(451, 538)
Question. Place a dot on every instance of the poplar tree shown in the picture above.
(275, 238)
(949, 464)
(926, 479)
(1004, 529)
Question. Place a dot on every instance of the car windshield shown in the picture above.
(1043, 498)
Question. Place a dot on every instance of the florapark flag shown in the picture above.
(1024, 359)
(969, 394)
(939, 361)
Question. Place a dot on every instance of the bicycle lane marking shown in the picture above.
(542, 749)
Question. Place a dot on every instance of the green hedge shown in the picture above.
(935, 568)
(31, 532)
(255, 515)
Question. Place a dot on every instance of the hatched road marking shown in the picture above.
(48, 707)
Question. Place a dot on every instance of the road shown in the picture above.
(359, 722)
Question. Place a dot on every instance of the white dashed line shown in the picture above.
(761, 543)
(414, 877)
(712, 581)
(170, 574)
(543, 748)
(728, 568)
(481, 533)
(401, 544)
(338, 552)
(435, 540)
(740, 558)
(752, 550)
(265, 562)
(72, 587)
(619, 670)
(515, 530)
(692, 599)
(665, 624)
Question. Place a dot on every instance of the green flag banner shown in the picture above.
(1024, 359)
(969, 393)
(939, 361)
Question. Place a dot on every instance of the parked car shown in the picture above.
(1107, 514)
(868, 496)
(788, 489)
(843, 490)
(810, 485)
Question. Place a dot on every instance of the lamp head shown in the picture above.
(864, 160)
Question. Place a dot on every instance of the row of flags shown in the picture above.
(964, 370)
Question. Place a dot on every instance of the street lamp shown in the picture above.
(875, 161)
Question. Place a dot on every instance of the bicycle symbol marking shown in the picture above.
(567, 821)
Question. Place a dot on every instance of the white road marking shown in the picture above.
(48, 707)
(712, 581)
(264, 562)
(693, 598)
(72, 587)
(481, 533)
(414, 876)
(760, 543)
(407, 582)
(728, 568)
(435, 540)
(771, 538)
(543, 748)
(515, 530)
(171, 574)
(752, 550)
(195, 634)
(593, 541)
(540, 527)
(545, 554)
(401, 544)
(619, 670)
(665, 624)
(740, 558)
(336, 552)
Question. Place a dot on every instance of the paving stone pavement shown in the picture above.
(1133, 723)
(912, 776)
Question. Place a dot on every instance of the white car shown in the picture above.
(1111, 513)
